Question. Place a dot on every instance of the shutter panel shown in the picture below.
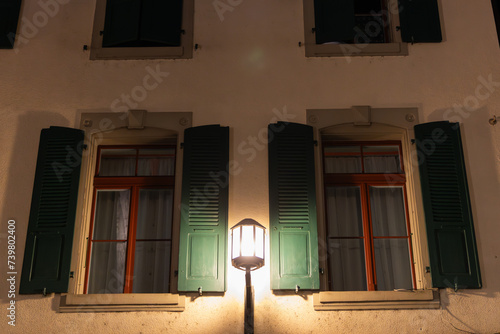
(292, 201)
(419, 21)
(121, 25)
(450, 230)
(334, 20)
(203, 231)
(9, 16)
(161, 22)
(47, 256)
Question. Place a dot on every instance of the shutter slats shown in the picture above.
(47, 256)
(293, 226)
(419, 21)
(450, 230)
(203, 235)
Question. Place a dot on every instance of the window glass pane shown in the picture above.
(344, 212)
(347, 264)
(156, 162)
(111, 214)
(388, 211)
(117, 162)
(151, 267)
(392, 263)
(107, 267)
(154, 218)
(381, 159)
(342, 159)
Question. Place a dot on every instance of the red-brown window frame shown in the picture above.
(364, 181)
(134, 184)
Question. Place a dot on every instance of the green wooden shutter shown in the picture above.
(450, 230)
(9, 16)
(334, 20)
(203, 231)
(419, 20)
(121, 25)
(292, 202)
(47, 256)
(161, 22)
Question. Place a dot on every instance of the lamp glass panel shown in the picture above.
(247, 241)
(236, 242)
(259, 243)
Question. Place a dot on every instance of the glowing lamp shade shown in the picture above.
(247, 240)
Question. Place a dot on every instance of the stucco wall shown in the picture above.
(249, 72)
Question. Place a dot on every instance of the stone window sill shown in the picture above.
(375, 300)
(121, 302)
(353, 50)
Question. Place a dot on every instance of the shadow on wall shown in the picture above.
(20, 176)
(484, 185)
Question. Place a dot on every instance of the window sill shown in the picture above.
(173, 52)
(353, 50)
(375, 300)
(71, 303)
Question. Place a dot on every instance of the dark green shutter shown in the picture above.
(9, 16)
(334, 20)
(122, 21)
(203, 231)
(292, 202)
(419, 20)
(161, 22)
(47, 256)
(448, 215)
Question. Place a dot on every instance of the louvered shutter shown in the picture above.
(122, 23)
(203, 231)
(450, 230)
(9, 16)
(292, 201)
(419, 21)
(334, 20)
(161, 22)
(47, 255)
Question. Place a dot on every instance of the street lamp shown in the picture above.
(247, 253)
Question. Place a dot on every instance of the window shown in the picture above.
(495, 4)
(9, 16)
(368, 27)
(135, 29)
(126, 225)
(392, 219)
(367, 228)
(130, 244)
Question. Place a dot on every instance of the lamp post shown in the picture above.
(247, 253)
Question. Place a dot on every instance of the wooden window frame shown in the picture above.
(364, 181)
(134, 184)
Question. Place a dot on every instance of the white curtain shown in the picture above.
(346, 252)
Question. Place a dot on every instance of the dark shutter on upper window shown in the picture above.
(9, 16)
(161, 22)
(334, 20)
(419, 21)
(122, 23)
(203, 231)
(450, 230)
(292, 202)
(47, 256)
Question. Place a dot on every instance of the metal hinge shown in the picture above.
(200, 291)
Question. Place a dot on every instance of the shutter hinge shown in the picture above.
(315, 142)
(183, 31)
(44, 292)
(322, 271)
(101, 32)
(427, 269)
(176, 273)
(314, 30)
(398, 28)
(297, 289)
(84, 146)
(71, 274)
(456, 286)
(413, 141)
(200, 291)
(182, 145)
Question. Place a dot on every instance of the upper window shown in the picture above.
(134, 29)
(368, 27)
(131, 230)
(367, 230)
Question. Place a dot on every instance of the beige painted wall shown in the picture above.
(250, 64)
